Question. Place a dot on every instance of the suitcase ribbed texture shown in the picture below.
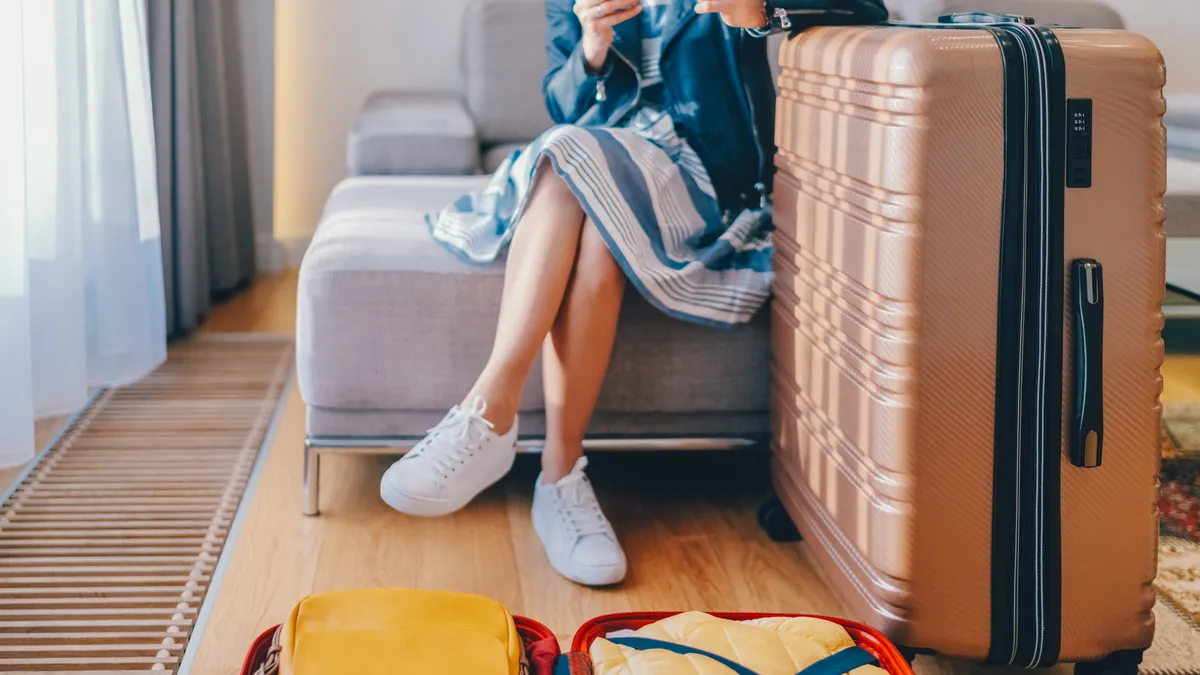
(894, 192)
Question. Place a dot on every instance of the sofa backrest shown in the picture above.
(1080, 13)
(504, 52)
(504, 61)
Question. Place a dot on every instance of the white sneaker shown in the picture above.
(577, 537)
(460, 458)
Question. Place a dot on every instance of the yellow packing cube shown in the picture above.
(398, 632)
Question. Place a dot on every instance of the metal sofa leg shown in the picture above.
(312, 479)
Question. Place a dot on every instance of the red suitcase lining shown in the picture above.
(532, 631)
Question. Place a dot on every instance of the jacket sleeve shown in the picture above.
(809, 13)
(569, 89)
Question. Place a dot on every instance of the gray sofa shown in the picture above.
(500, 108)
(392, 329)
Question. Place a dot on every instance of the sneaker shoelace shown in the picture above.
(457, 426)
(581, 511)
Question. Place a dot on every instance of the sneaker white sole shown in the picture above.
(585, 575)
(414, 505)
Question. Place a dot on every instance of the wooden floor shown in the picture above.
(268, 306)
(1181, 378)
(692, 543)
(690, 533)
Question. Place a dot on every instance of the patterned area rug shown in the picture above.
(1179, 509)
(1179, 501)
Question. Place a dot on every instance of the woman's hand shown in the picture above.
(598, 18)
(735, 13)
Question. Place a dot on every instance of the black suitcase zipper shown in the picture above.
(1026, 542)
(1026, 574)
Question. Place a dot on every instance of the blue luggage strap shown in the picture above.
(838, 663)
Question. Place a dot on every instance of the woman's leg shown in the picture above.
(567, 517)
(539, 265)
(576, 353)
(474, 446)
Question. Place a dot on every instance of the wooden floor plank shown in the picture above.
(684, 552)
(274, 559)
(1181, 378)
(268, 306)
(470, 551)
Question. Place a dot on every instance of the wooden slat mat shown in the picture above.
(108, 544)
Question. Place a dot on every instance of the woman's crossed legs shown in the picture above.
(562, 295)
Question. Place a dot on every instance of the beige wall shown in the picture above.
(329, 56)
(1174, 25)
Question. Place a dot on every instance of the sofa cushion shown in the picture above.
(773, 44)
(1183, 110)
(386, 317)
(400, 133)
(1080, 13)
(1183, 197)
(1183, 142)
(505, 61)
(1183, 125)
(496, 154)
(389, 320)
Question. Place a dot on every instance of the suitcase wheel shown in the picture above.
(1117, 663)
(909, 653)
(775, 521)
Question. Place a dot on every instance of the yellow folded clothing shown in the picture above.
(771, 646)
(399, 632)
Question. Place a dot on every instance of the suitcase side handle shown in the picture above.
(984, 17)
(1087, 418)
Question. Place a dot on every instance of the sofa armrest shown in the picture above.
(412, 134)
(1081, 13)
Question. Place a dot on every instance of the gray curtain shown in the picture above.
(203, 173)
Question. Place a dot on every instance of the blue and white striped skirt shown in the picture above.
(653, 202)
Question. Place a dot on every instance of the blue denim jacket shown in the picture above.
(717, 84)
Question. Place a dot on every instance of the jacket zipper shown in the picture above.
(780, 11)
(602, 91)
(785, 22)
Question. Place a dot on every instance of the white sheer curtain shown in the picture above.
(81, 288)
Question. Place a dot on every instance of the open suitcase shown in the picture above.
(260, 660)
(532, 632)
(965, 339)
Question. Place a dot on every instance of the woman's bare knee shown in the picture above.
(549, 185)
(552, 206)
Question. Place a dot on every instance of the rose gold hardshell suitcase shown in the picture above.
(966, 348)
